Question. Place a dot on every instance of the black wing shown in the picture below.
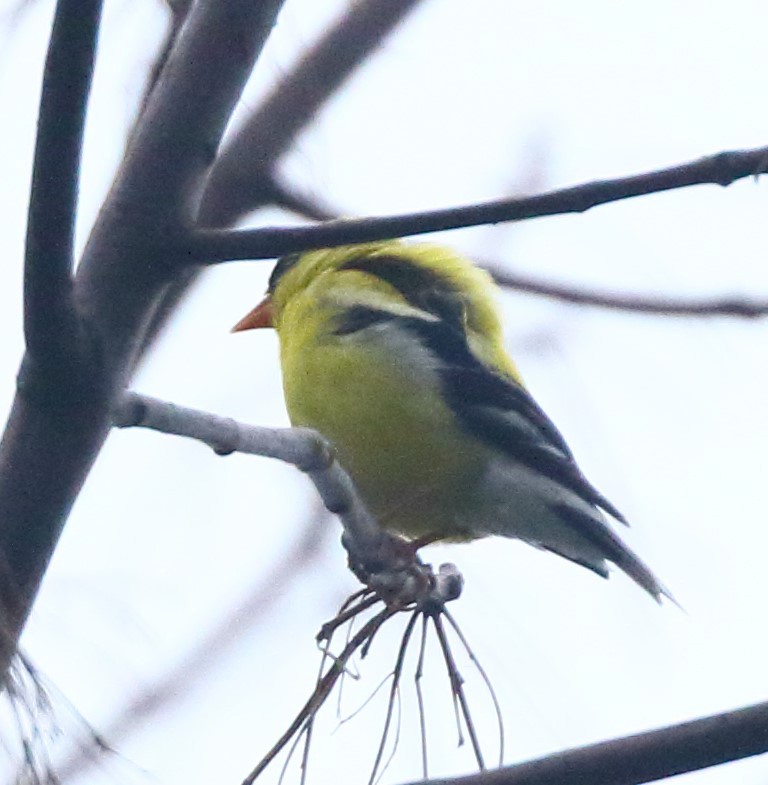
(501, 412)
(492, 407)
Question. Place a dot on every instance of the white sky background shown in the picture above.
(666, 415)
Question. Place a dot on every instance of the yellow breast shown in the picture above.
(381, 408)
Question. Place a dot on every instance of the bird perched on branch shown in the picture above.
(394, 353)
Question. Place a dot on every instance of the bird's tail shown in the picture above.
(610, 546)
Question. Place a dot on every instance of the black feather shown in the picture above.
(284, 263)
(499, 411)
(420, 287)
(608, 543)
(358, 317)
(491, 407)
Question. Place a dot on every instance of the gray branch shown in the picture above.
(52, 440)
(304, 448)
(386, 564)
(645, 757)
(653, 305)
(50, 323)
(242, 179)
(211, 246)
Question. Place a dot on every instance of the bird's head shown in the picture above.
(422, 280)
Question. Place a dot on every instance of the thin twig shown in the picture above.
(396, 742)
(656, 305)
(420, 696)
(212, 246)
(365, 703)
(457, 687)
(308, 729)
(322, 690)
(174, 685)
(396, 675)
(484, 676)
(346, 614)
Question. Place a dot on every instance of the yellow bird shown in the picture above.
(394, 353)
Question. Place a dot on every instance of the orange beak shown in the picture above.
(260, 316)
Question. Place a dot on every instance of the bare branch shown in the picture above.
(457, 690)
(281, 196)
(300, 203)
(393, 692)
(241, 180)
(51, 325)
(243, 177)
(178, 9)
(187, 112)
(386, 564)
(658, 306)
(211, 246)
(182, 679)
(429, 602)
(484, 676)
(306, 449)
(661, 305)
(420, 697)
(645, 757)
(48, 447)
(324, 687)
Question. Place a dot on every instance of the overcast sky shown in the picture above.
(667, 416)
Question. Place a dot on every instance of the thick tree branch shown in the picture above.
(51, 326)
(178, 10)
(211, 246)
(47, 450)
(658, 306)
(645, 757)
(54, 374)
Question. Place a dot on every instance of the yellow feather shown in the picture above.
(391, 429)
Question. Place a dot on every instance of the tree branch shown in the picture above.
(304, 448)
(48, 450)
(181, 680)
(51, 325)
(242, 177)
(629, 761)
(386, 564)
(178, 11)
(211, 246)
(660, 306)
(54, 374)
(644, 757)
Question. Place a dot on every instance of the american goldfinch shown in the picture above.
(394, 353)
